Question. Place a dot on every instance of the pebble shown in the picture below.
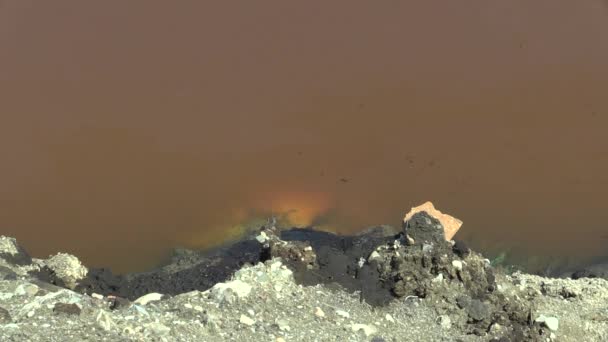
(97, 296)
(438, 278)
(550, 322)
(389, 318)
(227, 291)
(342, 313)
(283, 325)
(104, 320)
(319, 312)
(457, 264)
(5, 316)
(445, 322)
(147, 298)
(374, 256)
(262, 237)
(367, 329)
(246, 320)
(26, 289)
(158, 328)
(280, 339)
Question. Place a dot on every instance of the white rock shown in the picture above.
(438, 278)
(445, 322)
(246, 320)
(342, 313)
(361, 262)
(26, 289)
(374, 256)
(8, 245)
(158, 328)
(104, 320)
(96, 296)
(367, 329)
(319, 312)
(5, 296)
(283, 325)
(262, 237)
(308, 248)
(389, 318)
(147, 298)
(67, 267)
(457, 264)
(224, 291)
(497, 329)
(550, 322)
(396, 244)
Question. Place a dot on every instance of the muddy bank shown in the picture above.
(378, 268)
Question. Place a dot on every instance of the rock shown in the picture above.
(150, 297)
(476, 309)
(7, 273)
(5, 316)
(342, 313)
(68, 268)
(68, 309)
(460, 248)
(262, 237)
(118, 302)
(389, 318)
(12, 253)
(426, 248)
(374, 256)
(230, 291)
(96, 296)
(292, 252)
(548, 321)
(438, 278)
(457, 264)
(158, 328)
(445, 322)
(246, 320)
(450, 224)
(367, 329)
(104, 321)
(26, 290)
(497, 329)
(319, 313)
(424, 229)
(283, 325)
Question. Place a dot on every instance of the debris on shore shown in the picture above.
(300, 284)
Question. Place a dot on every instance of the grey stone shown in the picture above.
(548, 321)
(68, 309)
(5, 316)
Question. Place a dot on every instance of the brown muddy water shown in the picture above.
(128, 128)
